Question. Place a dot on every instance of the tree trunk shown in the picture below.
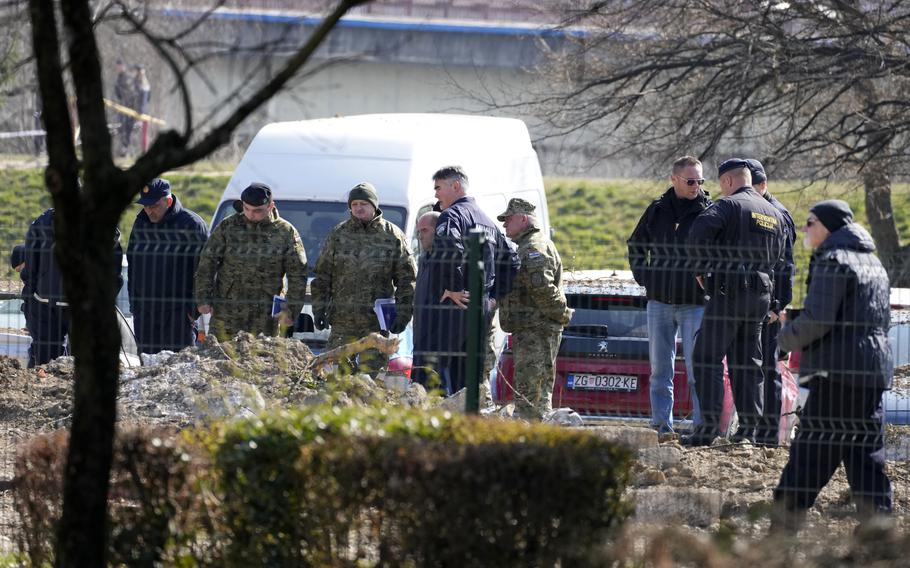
(95, 342)
(880, 216)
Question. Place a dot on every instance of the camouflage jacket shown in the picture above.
(537, 298)
(244, 264)
(359, 263)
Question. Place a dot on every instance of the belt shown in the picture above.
(50, 302)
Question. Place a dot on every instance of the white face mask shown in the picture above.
(806, 242)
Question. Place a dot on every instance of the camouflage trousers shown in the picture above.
(371, 361)
(534, 352)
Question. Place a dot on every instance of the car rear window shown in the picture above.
(624, 316)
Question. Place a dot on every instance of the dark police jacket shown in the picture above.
(43, 277)
(843, 327)
(446, 269)
(783, 272)
(738, 240)
(162, 259)
(657, 251)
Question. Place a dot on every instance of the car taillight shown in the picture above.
(509, 341)
(401, 366)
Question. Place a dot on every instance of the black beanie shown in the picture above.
(833, 213)
(365, 191)
(256, 194)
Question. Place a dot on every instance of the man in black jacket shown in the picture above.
(446, 280)
(767, 431)
(735, 246)
(48, 309)
(846, 363)
(658, 259)
(162, 253)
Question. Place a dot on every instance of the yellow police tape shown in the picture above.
(130, 112)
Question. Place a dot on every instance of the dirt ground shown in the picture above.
(250, 374)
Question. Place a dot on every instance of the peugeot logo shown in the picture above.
(603, 347)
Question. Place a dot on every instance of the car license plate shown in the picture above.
(621, 383)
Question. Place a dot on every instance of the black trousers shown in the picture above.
(731, 328)
(841, 423)
(770, 420)
(157, 330)
(48, 325)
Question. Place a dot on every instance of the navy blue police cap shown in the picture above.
(758, 170)
(17, 257)
(731, 164)
(154, 191)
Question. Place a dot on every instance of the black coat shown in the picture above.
(441, 327)
(43, 276)
(657, 251)
(783, 272)
(162, 259)
(739, 240)
(843, 327)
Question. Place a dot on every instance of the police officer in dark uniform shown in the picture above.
(767, 431)
(734, 246)
(48, 317)
(447, 284)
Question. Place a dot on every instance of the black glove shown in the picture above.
(319, 322)
(398, 326)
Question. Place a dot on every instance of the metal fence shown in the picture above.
(623, 357)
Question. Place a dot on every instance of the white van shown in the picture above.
(312, 164)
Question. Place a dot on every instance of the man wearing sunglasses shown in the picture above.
(657, 256)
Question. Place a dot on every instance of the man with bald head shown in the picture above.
(734, 246)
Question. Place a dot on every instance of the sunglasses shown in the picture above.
(810, 222)
(692, 181)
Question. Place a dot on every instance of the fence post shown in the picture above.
(476, 328)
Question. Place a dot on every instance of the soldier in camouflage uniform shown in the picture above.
(534, 311)
(363, 259)
(244, 264)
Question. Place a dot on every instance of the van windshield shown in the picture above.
(314, 219)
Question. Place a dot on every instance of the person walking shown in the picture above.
(658, 258)
(244, 265)
(847, 365)
(162, 255)
(364, 259)
(535, 311)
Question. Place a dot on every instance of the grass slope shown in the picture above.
(23, 197)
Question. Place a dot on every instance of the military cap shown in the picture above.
(731, 164)
(366, 192)
(517, 206)
(833, 213)
(256, 194)
(758, 170)
(153, 191)
(17, 257)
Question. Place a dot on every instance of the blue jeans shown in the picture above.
(664, 321)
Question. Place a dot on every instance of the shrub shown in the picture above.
(151, 498)
(388, 486)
